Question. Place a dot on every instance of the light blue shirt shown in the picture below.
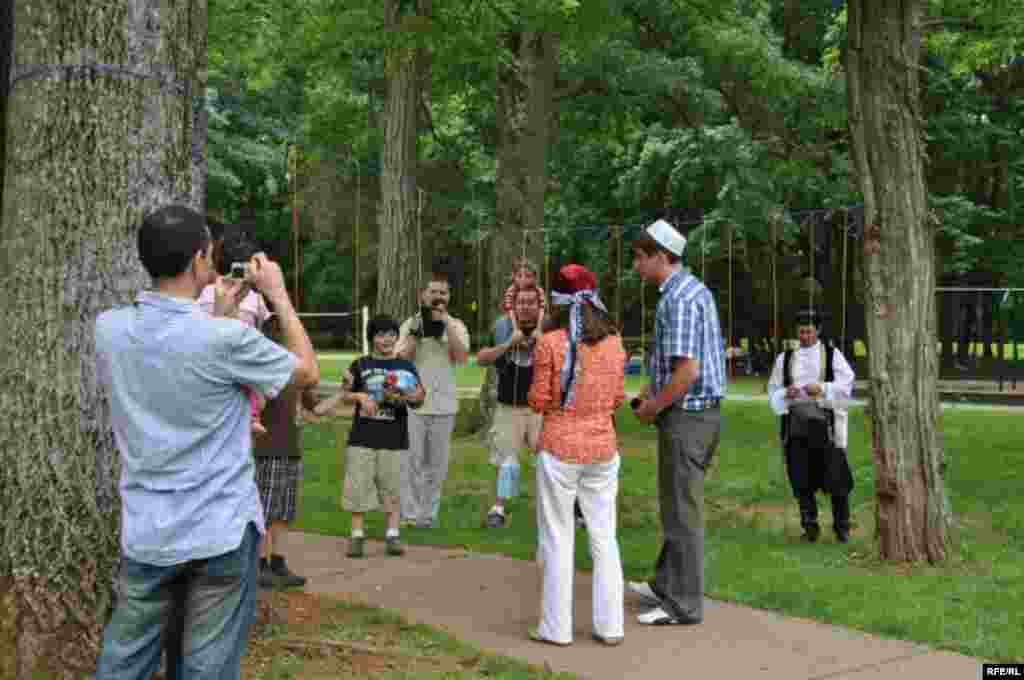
(174, 378)
(686, 325)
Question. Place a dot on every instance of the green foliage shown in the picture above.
(722, 112)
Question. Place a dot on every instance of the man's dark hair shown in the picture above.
(379, 323)
(216, 228)
(646, 244)
(169, 238)
(238, 247)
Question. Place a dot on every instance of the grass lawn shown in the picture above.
(973, 604)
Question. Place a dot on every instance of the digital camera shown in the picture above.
(238, 270)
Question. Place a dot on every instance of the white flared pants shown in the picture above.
(597, 486)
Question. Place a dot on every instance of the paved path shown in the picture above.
(491, 601)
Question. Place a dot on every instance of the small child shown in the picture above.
(252, 311)
(524, 275)
(383, 388)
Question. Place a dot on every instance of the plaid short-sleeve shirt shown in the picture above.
(686, 325)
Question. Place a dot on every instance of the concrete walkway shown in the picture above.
(491, 602)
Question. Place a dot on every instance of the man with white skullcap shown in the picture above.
(687, 383)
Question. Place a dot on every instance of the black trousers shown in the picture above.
(814, 467)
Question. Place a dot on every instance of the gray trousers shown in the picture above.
(425, 467)
(686, 443)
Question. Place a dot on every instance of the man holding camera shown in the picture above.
(191, 520)
(435, 342)
(515, 424)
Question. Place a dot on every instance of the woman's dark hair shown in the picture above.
(169, 238)
(237, 248)
(596, 324)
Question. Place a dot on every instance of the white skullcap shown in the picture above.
(665, 234)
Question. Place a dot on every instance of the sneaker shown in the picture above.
(659, 617)
(811, 534)
(495, 519)
(645, 591)
(426, 524)
(613, 641)
(843, 535)
(355, 546)
(287, 578)
(394, 546)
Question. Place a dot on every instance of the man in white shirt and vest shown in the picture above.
(810, 388)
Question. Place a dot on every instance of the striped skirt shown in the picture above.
(278, 482)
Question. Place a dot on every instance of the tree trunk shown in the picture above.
(89, 153)
(525, 113)
(899, 265)
(398, 254)
(6, 54)
(526, 119)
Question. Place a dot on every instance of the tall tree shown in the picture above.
(100, 132)
(882, 54)
(399, 244)
(526, 114)
(6, 53)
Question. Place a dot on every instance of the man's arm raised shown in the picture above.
(265, 275)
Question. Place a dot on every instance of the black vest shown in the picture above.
(787, 381)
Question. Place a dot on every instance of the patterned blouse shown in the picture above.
(585, 431)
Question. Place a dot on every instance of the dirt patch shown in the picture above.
(310, 637)
(303, 610)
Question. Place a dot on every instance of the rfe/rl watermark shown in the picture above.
(1002, 670)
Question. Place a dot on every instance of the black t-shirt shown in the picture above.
(389, 429)
(514, 367)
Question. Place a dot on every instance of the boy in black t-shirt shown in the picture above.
(382, 387)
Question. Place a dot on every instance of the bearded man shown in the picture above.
(515, 424)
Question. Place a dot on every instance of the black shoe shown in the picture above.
(843, 535)
(286, 577)
(268, 580)
(811, 534)
(495, 520)
(394, 546)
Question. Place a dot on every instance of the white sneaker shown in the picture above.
(645, 591)
(659, 617)
(655, 617)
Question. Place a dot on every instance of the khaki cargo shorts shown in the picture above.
(515, 428)
(373, 479)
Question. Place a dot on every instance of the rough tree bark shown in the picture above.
(899, 266)
(397, 262)
(91, 149)
(6, 53)
(526, 116)
(525, 112)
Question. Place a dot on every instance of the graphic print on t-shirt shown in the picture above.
(374, 380)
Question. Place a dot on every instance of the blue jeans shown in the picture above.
(219, 606)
